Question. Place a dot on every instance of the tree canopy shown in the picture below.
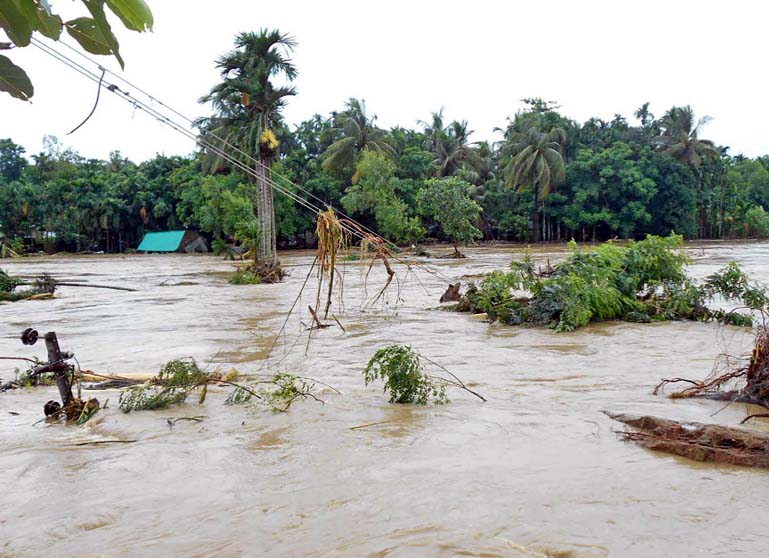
(549, 177)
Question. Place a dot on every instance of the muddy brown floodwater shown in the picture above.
(537, 471)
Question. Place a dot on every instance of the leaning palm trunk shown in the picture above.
(266, 213)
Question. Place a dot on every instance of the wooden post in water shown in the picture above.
(56, 362)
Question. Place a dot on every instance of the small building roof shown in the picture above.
(167, 241)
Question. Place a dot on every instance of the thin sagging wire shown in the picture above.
(164, 119)
(225, 142)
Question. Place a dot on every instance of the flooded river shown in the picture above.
(537, 471)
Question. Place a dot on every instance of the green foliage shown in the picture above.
(640, 282)
(174, 382)
(756, 223)
(20, 19)
(248, 232)
(8, 283)
(219, 247)
(612, 188)
(245, 277)
(401, 369)
(494, 296)
(283, 390)
(621, 180)
(374, 195)
(278, 393)
(358, 135)
(733, 284)
(178, 378)
(446, 202)
(654, 262)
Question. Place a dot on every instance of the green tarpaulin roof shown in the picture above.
(168, 241)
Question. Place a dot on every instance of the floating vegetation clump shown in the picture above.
(245, 276)
(639, 282)
(43, 287)
(177, 379)
(171, 386)
(405, 377)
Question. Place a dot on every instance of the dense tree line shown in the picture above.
(549, 178)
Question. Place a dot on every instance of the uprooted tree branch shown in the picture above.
(42, 287)
(753, 373)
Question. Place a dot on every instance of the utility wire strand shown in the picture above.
(183, 129)
(140, 105)
(163, 119)
(224, 142)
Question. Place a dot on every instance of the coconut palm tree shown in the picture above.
(358, 134)
(247, 106)
(535, 161)
(643, 114)
(453, 149)
(433, 130)
(680, 140)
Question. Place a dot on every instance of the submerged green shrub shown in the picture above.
(174, 382)
(245, 277)
(178, 378)
(495, 297)
(639, 282)
(400, 368)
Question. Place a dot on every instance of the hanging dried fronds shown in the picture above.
(332, 239)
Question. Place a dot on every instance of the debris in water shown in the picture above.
(754, 372)
(177, 379)
(697, 441)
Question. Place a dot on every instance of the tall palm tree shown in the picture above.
(535, 162)
(247, 106)
(433, 130)
(680, 140)
(453, 149)
(359, 133)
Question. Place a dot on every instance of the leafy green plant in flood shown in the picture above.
(405, 378)
(278, 392)
(172, 385)
(400, 368)
(640, 282)
(177, 379)
(219, 247)
(245, 277)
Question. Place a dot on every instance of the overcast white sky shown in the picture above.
(406, 59)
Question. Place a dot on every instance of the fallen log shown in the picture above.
(697, 441)
(92, 286)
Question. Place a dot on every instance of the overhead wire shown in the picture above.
(163, 119)
(218, 138)
(357, 231)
